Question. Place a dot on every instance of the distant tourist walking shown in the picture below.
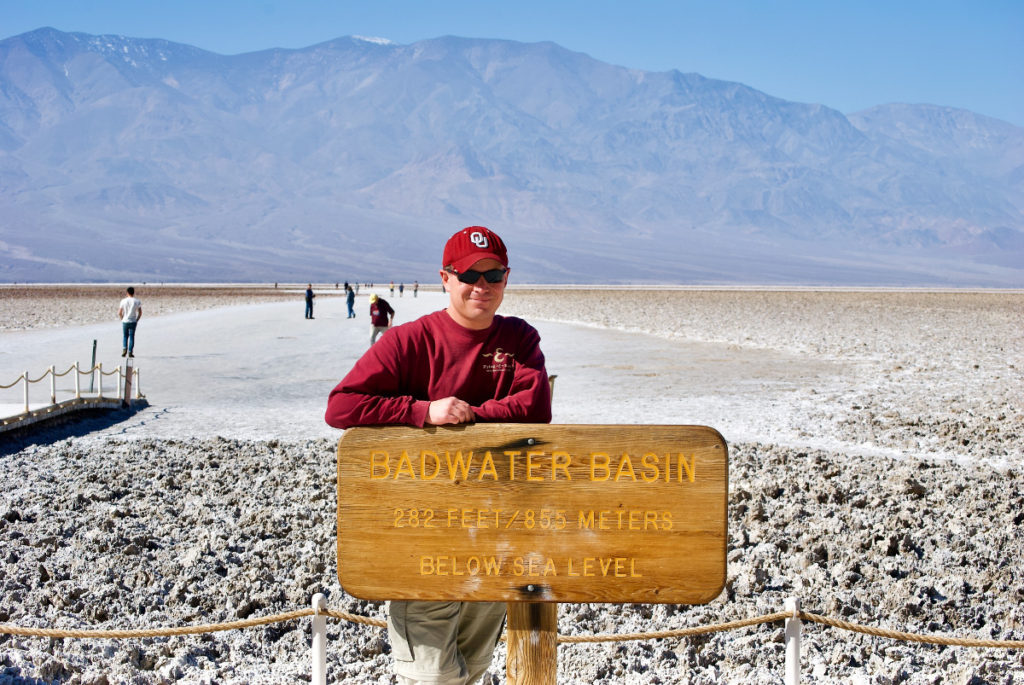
(381, 316)
(129, 311)
(309, 301)
(415, 288)
(401, 289)
(350, 300)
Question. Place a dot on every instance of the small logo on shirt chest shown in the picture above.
(498, 360)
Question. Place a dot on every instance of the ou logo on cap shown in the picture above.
(478, 239)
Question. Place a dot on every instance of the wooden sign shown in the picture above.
(533, 512)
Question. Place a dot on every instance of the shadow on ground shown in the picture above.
(73, 425)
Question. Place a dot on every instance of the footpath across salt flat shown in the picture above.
(262, 371)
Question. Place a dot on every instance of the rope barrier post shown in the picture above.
(138, 386)
(532, 643)
(78, 382)
(319, 640)
(99, 372)
(126, 388)
(53, 384)
(793, 626)
(26, 391)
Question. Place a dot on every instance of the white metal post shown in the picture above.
(26, 392)
(120, 382)
(99, 372)
(793, 641)
(319, 640)
(78, 382)
(53, 385)
(138, 388)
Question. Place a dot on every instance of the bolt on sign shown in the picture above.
(533, 512)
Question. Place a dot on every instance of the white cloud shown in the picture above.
(374, 39)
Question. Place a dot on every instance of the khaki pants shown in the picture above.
(443, 642)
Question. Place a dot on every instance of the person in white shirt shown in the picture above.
(130, 311)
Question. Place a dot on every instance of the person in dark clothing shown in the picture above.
(350, 300)
(309, 301)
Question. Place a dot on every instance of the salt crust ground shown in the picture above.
(136, 533)
(922, 373)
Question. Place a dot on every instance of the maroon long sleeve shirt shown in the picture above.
(499, 371)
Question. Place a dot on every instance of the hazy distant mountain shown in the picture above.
(123, 158)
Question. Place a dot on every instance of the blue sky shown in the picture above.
(846, 54)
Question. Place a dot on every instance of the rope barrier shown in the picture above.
(356, 618)
(912, 637)
(82, 372)
(681, 632)
(28, 381)
(61, 375)
(8, 629)
(16, 381)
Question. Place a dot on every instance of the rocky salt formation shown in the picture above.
(108, 533)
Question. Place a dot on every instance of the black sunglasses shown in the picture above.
(471, 277)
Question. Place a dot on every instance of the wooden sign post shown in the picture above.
(527, 513)
(532, 643)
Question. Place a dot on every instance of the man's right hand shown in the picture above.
(449, 410)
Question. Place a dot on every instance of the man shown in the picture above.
(350, 300)
(381, 316)
(458, 365)
(129, 311)
(309, 301)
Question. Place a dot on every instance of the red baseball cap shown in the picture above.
(470, 245)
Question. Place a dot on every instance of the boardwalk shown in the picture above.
(58, 393)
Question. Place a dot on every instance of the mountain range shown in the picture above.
(125, 159)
